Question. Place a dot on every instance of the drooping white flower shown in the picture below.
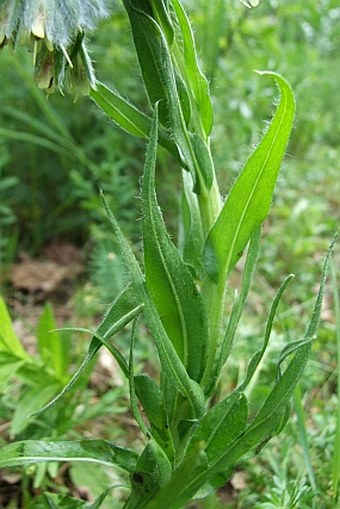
(54, 30)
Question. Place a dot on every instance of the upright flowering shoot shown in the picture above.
(194, 434)
(54, 31)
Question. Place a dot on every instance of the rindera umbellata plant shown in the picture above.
(192, 440)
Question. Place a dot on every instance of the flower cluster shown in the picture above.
(54, 31)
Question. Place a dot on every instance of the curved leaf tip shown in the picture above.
(250, 198)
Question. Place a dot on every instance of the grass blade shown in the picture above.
(336, 455)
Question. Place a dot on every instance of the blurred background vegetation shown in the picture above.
(55, 152)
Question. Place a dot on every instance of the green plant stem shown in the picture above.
(210, 205)
(214, 295)
(209, 202)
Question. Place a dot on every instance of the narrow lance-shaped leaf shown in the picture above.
(197, 82)
(151, 398)
(268, 420)
(273, 414)
(160, 458)
(250, 197)
(258, 356)
(94, 451)
(53, 349)
(120, 313)
(258, 432)
(191, 234)
(133, 398)
(171, 363)
(160, 10)
(160, 81)
(154, 59)
(168, 279)
(236, 312)
(121, 111)
(128, 116)
(221, 425)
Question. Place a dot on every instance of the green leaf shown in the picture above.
(59, 501)
(169, 280)
(160, 11)
(159, 466)
(9, 365)
(203, 160)
(133, 398)
(217, 430)
(236, 312)
(93, 451)
(221, 425)
(258, 356)
(192, 241)
(273, 414)
(145, 480)
(154, 59)
(52, 347)
(128, 117)
(121, 111)
(315, 319)
(160, 81)
(171, 363)
(31, 399)
(184, 100)
(123, 309)
(197, 83)
(9, 342)
(151, 398)
(250, 197)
